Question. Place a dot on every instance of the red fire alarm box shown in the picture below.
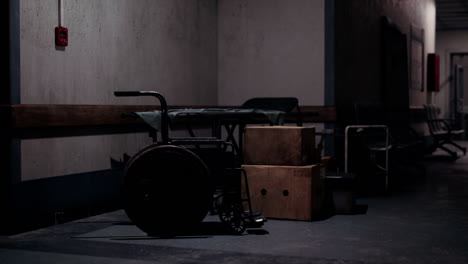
(61, 36)
(433, 77)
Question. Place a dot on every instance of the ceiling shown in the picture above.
(452, 14)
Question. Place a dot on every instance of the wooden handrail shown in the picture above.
(29, 116)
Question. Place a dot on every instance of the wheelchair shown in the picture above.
(169, 187)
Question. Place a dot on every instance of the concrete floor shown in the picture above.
(423, 220)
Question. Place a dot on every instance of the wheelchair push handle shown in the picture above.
(163, 104)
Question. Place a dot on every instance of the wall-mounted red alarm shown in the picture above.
(61, 36)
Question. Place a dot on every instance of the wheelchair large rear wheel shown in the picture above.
(167, 190)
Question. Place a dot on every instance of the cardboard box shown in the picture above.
(279, 145)
(286, 192)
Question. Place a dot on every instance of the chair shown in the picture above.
(441, 131)
(285, 104)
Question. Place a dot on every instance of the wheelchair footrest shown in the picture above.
(253, 219)
(251, 214)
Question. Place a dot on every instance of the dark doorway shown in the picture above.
(458, 89)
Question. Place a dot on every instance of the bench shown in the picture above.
(441, 131)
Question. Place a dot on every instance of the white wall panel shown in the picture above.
(271, 48)
(163, 45)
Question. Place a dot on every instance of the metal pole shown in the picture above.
(386, 147)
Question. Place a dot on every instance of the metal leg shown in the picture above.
(452, 153)
(216, 129)
(241, 141)
(230, 137)
(386, 168)
(458, 146)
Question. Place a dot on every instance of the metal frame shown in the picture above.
(386, 168)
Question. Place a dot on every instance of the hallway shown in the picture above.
(424, 222)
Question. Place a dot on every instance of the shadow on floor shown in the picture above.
(204, 229)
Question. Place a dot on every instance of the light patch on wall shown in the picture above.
(165, 45)
(69, 155)
(168, 46)
(271, 48)
(430, 37)
(430, 26)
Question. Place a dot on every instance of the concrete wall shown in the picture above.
(271, 48)
(448, 42)
(358, 45)
(263, 48)
(163, 45)
(42, 158)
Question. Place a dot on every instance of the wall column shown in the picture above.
(9, 94)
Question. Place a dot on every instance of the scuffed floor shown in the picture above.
(425, 220)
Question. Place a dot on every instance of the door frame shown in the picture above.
(453, 113)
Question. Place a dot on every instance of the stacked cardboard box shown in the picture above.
(285, 180)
